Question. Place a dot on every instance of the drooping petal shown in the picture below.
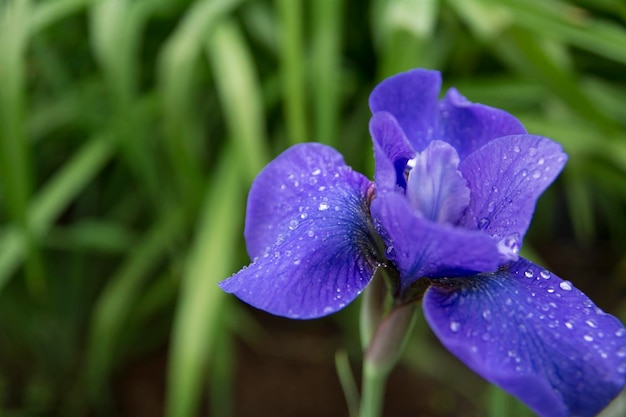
(308, 229)
(534, 335)
(506, 177)
(422, 248)
(411, 97)
(435, 186)
(391, 150)
(467, 126)
(295, 184)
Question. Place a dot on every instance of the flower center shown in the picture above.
(435, 187)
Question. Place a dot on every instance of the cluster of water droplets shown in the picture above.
(552, 312)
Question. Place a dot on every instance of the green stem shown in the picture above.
(373, 386)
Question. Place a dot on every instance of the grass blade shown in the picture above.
(211, 260)
(292, 69)
(240, 94)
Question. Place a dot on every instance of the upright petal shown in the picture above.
(467, 126)
(534, 335)
(422, 248)
(391, 150)
(411, 97)
(435, 186)
(309, 232)
(506, 177)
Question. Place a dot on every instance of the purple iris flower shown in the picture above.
(455, 188)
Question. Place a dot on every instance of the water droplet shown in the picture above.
(516, 149)
(591, 324)
(328, 310)
(588, 338)
(529, 273)
(323, 206)
(620, 332)
(316, 171)
(536, 175)
(293, 224)
(541, 161)
(455, 326)
(390, 253)
(491, 206)
(483, 223)
(550, 290)
(304, 216)
(566, 286)
(310, 233)
(621, 352)
(509, 246)
(322, 188)
(622, 368)
(283, 187)
(508, 301)
(487, 314)
(569, 325)
(296, 262)
(532, 151)
(545, 274)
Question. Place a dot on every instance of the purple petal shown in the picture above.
(307, 227)
(411, 97)
(467, 126)
(435, 187)
(391, 150)
(421, 248)
(297, 183)
(533, 334)
(506, 177)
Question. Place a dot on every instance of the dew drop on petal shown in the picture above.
(316, 171)
(516, 149)
(487, 314)
(529, 273)
(328, 309)
(588, 338)
(491, 206)
(390, 253)
(591, 324)
(545, 274)
(569, 325)
(620, 332)
(565, 286)
(621, 352)
(483, 223)
(293, 224)
(323, 206)
(455, 326)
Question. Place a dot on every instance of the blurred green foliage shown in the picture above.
(131, 130)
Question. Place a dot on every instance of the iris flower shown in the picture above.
(455, 188)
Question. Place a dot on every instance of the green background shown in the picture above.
(131, 130)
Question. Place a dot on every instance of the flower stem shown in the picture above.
(382, 354)
(373, 390)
